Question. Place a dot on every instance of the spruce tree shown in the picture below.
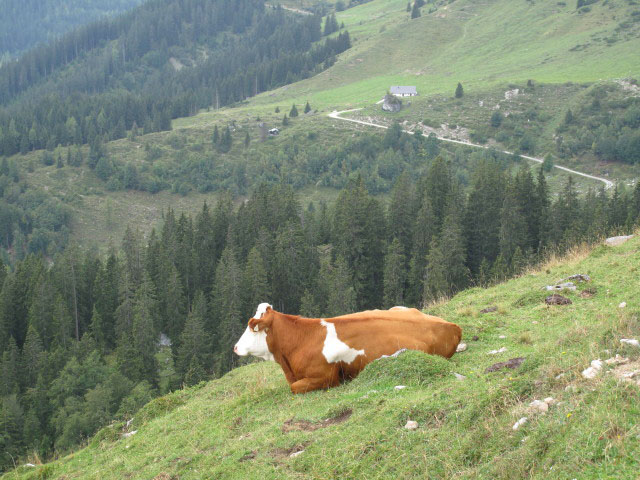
(294, 111)
(10, 363)
(459, 91)
(395, 274)
(307, 108)
(513, 227)
(215, 138)
(341, 295)
(415, 11)
(227, 324)
(424, 230)
(32, 358)
(247, 139)
(285, 120)
(435, 283)
(257, 287)
(193, 358)
(308, 306)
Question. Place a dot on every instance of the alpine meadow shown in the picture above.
(167, 167)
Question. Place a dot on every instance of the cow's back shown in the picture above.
(384, 332)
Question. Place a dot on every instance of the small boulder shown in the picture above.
(519, 423)
(489, 309)
(630, 341)
(538, 406)
(617, 360)
(295, 454)
(458, 376)
(129, 434)
(399, 387)
(580, 277)
(556, 299)
(619, 240)
(562, 286)
(411, 425)
(475, 338)
(461, 347)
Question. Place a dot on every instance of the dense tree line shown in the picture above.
(25, 23)
(31, 220)
(607, 127)
(79, 337)
(114, 75)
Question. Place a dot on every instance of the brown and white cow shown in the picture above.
(320, 353)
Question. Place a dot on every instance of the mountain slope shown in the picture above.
(479, 44)
(247, 424)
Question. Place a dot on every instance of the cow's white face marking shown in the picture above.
(261, 310)
(335, 350)
(254, 342)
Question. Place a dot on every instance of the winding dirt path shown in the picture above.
(335, 114)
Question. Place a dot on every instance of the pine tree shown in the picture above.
(294, 111)
(402, 211)
(193, 353)
(415, 12)
(513, 227)
(285, 120)
(307, 108)
(247, 139)
(459, 91)
(395, 275)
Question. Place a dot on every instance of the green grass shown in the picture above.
(234, 427)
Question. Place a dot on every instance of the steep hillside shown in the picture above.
(26, 23)
(247, 424)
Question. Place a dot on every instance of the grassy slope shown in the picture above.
(233, 427)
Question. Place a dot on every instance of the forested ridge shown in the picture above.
(25, 23)
(80, 334)
(114, 75)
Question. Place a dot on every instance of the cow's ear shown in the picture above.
(259, 324)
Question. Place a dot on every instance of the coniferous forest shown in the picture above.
(81, 333)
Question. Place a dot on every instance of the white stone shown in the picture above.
(502, 337)
(538, 406)
(550, 401)
(411, 425)
(29, 465)
(617, 360)
(458, 376)
(630, 341)
(295, 454)
(593, 370)
(461, 347)
(129, 434)
(622, 305)
(399, 387)
(615, 241)
(519, 423)
(495, 352)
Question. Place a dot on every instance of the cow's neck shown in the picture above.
(290, 333)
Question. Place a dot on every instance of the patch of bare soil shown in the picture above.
(307, 426)
(248, 456)
(511, 363)
(587, 293)
(628, 372)
(280, 453)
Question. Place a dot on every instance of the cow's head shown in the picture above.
(254, 339)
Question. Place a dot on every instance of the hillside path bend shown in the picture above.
(335, 114)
